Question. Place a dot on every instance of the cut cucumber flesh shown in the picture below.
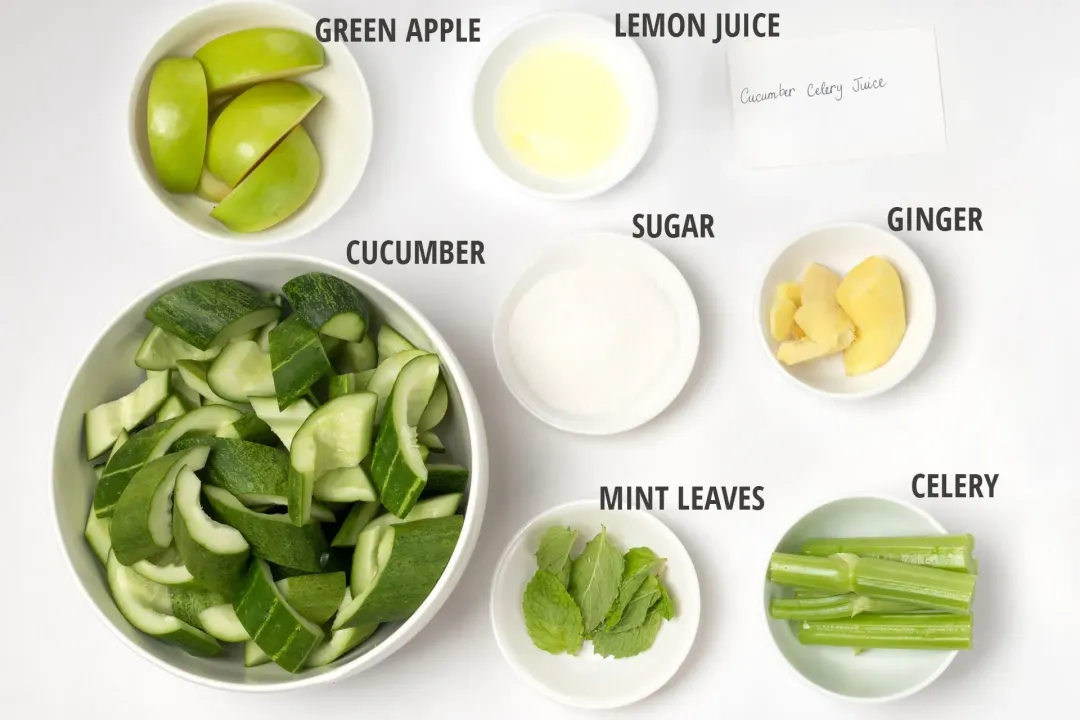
(140, 601)
(97, 535)
(189, 602)
(345, 485)
(329, 304)
(391, 342)
(442, 479)
(341, 641)
(247, 468)
(431, 441)
(122, 438)
(221, 622)
(262, 503)
(359, 516)
(316, 597)
(194, 374)
(173, 574)
(435, 507)
(142, 519)
(184, 391)
(285, 422)
(282, 633)
(395, 568)
(249, 427)
(273, 537)
(337, 435)
(297, 360)
(210, 313)
(436, 408)
(385, 377)
(104, 423)
(322, 513)
(254, 655)
(150, 444)
(357, 357)
(173, 407)
(241, 371)
(397, 464)
(160, 351)
(349, 383)
(215, 553)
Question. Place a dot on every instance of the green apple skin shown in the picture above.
(275, 189)
(211, 188)
(252, 124)
(176, 119)
(246, 57)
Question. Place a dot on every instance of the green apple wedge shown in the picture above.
(246, 57)
(275, 189)
(212, 188)
(176, 120)
(252, 124)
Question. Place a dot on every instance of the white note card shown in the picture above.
(811, 100)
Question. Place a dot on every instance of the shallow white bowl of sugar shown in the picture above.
(592, 36)
(878, 675)
(588, 680)
(599, 336)
(840, 248)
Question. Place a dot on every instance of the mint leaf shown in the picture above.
(553, 555)
(640, 563)
(594, 579)
(632, 642)
(666, 606)
(552, 619)
(644, 599)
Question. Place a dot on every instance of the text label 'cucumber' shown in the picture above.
(380, 30)
(696, 497)
(415, 252)
(728, 25)
(673, 225)
(959, 485)
(942, 219)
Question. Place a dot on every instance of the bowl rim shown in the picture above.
(907, 692)
(599, 188)
(864, 394)
(141, 77)
(478, 488)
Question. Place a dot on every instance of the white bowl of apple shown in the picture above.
(246, 127)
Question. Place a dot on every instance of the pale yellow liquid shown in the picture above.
(560, 112)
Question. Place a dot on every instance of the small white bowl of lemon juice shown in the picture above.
(563, 107)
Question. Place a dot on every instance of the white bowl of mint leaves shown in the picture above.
(595, 609)
(269, 473)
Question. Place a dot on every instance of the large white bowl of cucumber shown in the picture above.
(269, 472)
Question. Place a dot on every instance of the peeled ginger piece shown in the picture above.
(793, 352)
(873, 297)
(821, 316)
(819, 284)
(782, 313)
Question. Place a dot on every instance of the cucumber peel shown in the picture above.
(242, 370)
(317, 596)
(210, 313)
(329, 304)
(195, 375)
(214, 553)
(284, 635)
(247, 468)
(341, 641)
(359, 516)
(297, 360)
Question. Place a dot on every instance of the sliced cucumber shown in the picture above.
(391, 342)
(385, 376)
(434, 507)
(142, 602)
(443, 478)
(173, 407)
(357, 357)
(261, 503)
(349, 383)
(215, 553)
(221, 622)
(316, 597)
(395, 568)
(185, 392)
(341, 641)
(160, 351)
(189, 602)
(337, 435)
(122, 438)
(397, 464)
(431, 441)
(247, 468)
(210, 313)
(168, 570)
(282, 633)
(241, 371)
(142, 519)
(285, 422)
(331, 346)
(254, 655)
(194, 374)
(104, 423)
(97, 535)
(297, 360)
(436, 408)
(359, 516)
(150, 444)
(273, 537)
(345, 485)
(322, 513)
(249, 427)
(329, 304)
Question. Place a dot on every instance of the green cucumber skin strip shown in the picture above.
(247, 468)
(273, 537)
(446, 479)
(197, 312)
(359, 516)
(844, 573)
(948, 552)
(220, 573)
(297, 359)
(315, 596)
(271, 622)
(835, 607)
(319, 297)
(187, 603)
(899, 632)
(252, 428)
(420, 553)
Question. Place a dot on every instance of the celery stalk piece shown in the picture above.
(835, 607)
(887, 579)
(900, 632)
(948, 552)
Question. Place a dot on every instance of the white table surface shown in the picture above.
(81, 237)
